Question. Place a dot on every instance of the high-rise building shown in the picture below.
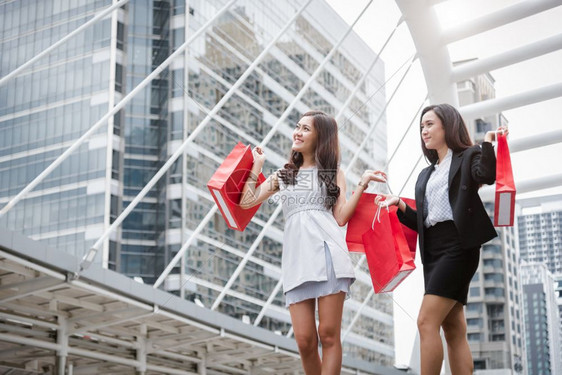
(48, 106)
(494, 309)
(542, 324)
(540, 231)
(558, 293)
(540, 238)
(477, 89)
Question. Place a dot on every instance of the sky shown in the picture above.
(375, 26)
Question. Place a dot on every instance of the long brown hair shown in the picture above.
(326, 155)
(456, 133)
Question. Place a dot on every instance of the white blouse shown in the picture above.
(437, 207)
(308, 225)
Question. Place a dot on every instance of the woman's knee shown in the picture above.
(426, 325)
(329, 336)
(454, 329)
(307, 342)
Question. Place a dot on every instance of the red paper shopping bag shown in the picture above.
(505, 187)
(227, 183)
(388, 255)
(362, 219)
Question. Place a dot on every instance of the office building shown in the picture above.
(542, 324)
(540, 237)
(540, 231)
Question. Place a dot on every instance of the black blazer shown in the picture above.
(469, 169)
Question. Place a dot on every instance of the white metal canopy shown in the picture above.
(106, 323)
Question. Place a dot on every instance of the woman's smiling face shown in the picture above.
(432, 131)
(305, 136)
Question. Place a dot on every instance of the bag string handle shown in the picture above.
(378, 215)
(379, 207)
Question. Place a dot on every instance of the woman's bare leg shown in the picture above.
(433, 311)
(330, 311)
(460, 357)
(306, 336)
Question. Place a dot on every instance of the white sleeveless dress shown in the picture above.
(315, 259)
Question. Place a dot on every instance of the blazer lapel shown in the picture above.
(456, 161)
(422, 183)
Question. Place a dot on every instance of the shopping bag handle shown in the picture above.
(378, 214)
(379, 207)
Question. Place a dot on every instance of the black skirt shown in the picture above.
(447, 266)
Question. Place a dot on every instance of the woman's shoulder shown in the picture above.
(340, 173)
(470, 151)
(475, 148)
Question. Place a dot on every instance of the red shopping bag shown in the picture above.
(362, 219)
(505, 187)
(227, 183)
(388, 255)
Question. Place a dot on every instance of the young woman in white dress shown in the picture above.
(316, 266)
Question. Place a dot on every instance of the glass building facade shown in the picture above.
(47, 107)
(44, 109)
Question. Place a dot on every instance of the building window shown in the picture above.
(496, 292)
(473, 337)
(474, 307)
(483, 126)
(474, 322)
(120, 35)
(480, 364)
(119, 78)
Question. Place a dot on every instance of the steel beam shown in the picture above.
(480, 66)
(101, 15)
(497, 105)
(487, 193)
(498, 18)
(434, 56)
(534, 141)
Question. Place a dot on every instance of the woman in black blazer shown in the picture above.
(452, 224)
